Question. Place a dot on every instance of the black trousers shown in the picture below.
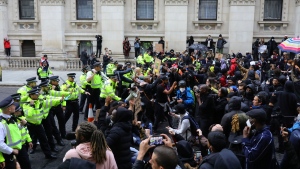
(58, 112)
(137, 52)
(10, 163)
(39, 133)
(93, 99)
(23, 158)
(7, 51)
(98, 49)
(83, 98)
(72, 108)
(160, 114)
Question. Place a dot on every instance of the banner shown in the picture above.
(156, 68)
(137, 105)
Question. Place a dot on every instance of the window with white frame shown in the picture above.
(145, 9)
(84, 9)
(208, 9)
(273, 9)
(26, 9)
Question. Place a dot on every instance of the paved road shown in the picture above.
(37, 160)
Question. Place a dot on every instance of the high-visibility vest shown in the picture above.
(1, 158)
(13, 135)
(96, 81)
(44, 74)
(129, 76)
(110, 69)
(23, 91)
(73, 89)
(25, 137)
(108, 89)
(83, 81)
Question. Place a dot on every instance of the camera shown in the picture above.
(98, 36)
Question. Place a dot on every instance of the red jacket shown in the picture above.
(232, 67)
(223, 81)
(6, 44)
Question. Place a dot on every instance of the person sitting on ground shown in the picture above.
(220, 157)
(92, 146)
(163, 157)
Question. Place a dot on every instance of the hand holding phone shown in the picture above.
(156, 141)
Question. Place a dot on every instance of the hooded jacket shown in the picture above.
(233, 66)
(185, 152)
(120, 137)
(83, 151)
(287, 100)
(234, 106)
(224, 159)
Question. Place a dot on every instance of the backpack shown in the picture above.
(37, 73)
(194, 126)
(257, 84)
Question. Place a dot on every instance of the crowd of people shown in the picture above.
(192, 111)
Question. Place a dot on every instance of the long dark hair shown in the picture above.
(88, 131)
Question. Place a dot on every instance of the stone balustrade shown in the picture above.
(55, 63)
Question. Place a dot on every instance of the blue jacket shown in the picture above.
(258, 149)
(186, 96)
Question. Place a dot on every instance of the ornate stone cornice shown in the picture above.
(3, 2)
(297, 2)
(176, 2)
(241, 2)
(112, 2)
(52, 2)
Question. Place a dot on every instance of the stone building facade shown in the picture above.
(62, 28)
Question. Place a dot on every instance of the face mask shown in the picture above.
(182, 89)
(248, 123)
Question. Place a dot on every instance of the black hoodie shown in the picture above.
(287, 100)
(120, 138)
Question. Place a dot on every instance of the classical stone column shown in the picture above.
(52, 27)
(241, 25)
(3, 24)
(176, 12)
(297, 18)
(112, 22)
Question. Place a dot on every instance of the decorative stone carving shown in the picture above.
(112, 2)
(176, 2)
(3, 2)
(52, 2)
(242, 2)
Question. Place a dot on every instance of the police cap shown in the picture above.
(18, 107)
(71, 74)
(34, 91)
(30, 80)
(6, 102)
(16, 96)
(54, 78)
(44, 84)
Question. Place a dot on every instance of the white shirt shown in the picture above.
(3, 146)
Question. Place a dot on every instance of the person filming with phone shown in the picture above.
(163, 156)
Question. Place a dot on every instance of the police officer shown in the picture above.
(109, 90)
(85, 85)
(31, 82)
(22, 157)
(10, 135)
(111, 67)
(72, 100)
(44, 71)
(95, 79)
(34, 112)
(48, 121)
(58, 111)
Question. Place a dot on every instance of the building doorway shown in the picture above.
(85, 45)
(28, 48)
